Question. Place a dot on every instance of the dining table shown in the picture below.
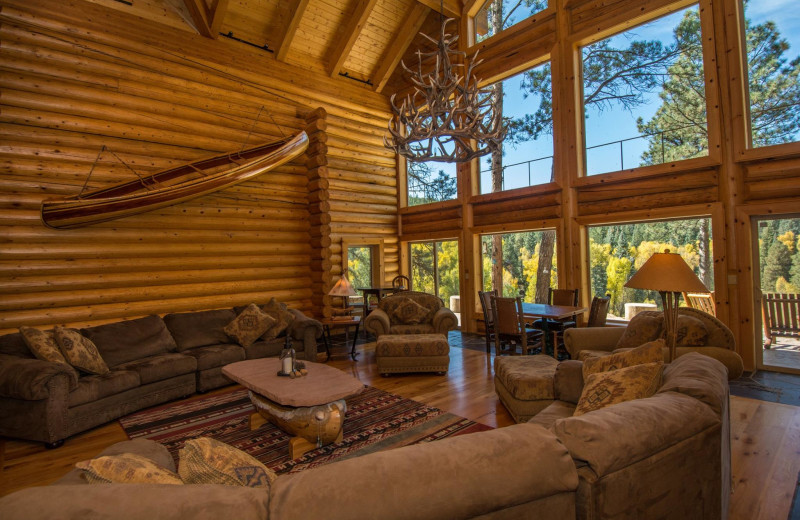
(532, 311)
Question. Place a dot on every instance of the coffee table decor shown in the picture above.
(311, 408)
(289, 366)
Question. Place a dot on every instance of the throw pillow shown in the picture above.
(208, 461)
(690, 332)
(282, 316)
(126, 468)
(644, 327)
(79, 351)
(617, 386)
(410, 312)
(42, 345)
(648, 353)
(249, 325)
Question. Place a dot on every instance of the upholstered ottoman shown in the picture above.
(396, 353)
(524, 384)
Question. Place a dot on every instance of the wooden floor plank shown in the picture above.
(765, 436)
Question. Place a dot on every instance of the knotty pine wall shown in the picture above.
(76, 76)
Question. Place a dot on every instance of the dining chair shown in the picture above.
(564, 297)
(401, 282)
(509, 327)
(488, 316)
(598, 312)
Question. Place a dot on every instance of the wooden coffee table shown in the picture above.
(311, 408)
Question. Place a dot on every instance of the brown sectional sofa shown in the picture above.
(666, 456)
(152, 360)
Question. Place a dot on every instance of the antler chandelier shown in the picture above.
(447, 112)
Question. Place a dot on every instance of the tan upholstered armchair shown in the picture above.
(410, 312)
(697, 332)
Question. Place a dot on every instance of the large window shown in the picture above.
(359, 266)
(644, 95)
(527, 155)
(431, 181)
(617, 251)
(520, 264)
(498, 15)
(434, 268)
(772, 36)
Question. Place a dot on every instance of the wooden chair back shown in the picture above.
(701, 301)
(508, 316)
(486, 306)
(401, 282)
(568, 297)
(598, 312)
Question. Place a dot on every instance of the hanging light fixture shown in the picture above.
(448, 118)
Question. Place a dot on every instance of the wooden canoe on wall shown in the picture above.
(171, 186)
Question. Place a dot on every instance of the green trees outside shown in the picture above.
(779, 254)
(359, 266)
(434, 268)
(426, 185)
(520, 267)
(616, 252)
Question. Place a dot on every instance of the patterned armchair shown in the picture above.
(410, 312)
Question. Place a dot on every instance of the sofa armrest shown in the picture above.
(418, 481)
(377, 323)
(591, 338)
(444, 320)
(307, 330)
(568, 381)
(28, 378)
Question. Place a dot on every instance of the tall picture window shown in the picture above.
(431, 181)
(526, 158)
(434, 268)
(644, 95)
(495, 16)
(772, 38)
(520, 264)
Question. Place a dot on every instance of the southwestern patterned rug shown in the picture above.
(375, 420)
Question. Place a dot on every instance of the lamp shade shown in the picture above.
(342, 288)
(666, 272)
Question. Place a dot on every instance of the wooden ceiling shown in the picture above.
(360, 41)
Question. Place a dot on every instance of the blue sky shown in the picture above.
(616, 124)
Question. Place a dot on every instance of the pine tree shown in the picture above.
(777, 265)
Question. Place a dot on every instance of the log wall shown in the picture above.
(76, 76)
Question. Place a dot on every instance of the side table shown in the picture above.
(346, 322)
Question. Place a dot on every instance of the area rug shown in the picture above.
(375, 420)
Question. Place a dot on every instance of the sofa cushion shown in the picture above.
(126, 468)
(698, 376)
(554, 411)
(208, 461)
(650, 352)
(409, 312)
(689, 332)
(160, 367)
(14, 345)
(93, 388)
(199, 329)
(79, 351)
(215, 356)
(620, 435)
(281, 314)
(261, 349)
(644, 327)
(42, 344)
(251, 323)
(129, 340)
(604, 389)
(527, 377)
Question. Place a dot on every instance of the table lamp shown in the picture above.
(344, 290)
(670, 275)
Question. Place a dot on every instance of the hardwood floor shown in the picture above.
(765, 436)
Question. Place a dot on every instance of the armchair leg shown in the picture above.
(54, 445)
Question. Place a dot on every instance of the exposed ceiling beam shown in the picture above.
(347, 37)
(199, 13)
(405, 35)
(452, 8)
(217, 15)
(285, 42)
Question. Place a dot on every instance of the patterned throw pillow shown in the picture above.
(248, 325)
(126, 468)
(643, 327)
(42, 344)
(690, 332)
(79, 351)
(410, 312)
(617, 386)
(282, 316)
(207, 461)
(648, 353)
